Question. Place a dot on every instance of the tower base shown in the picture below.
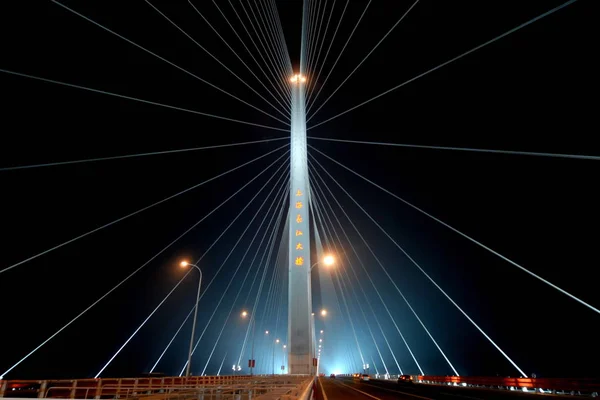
(300, 364)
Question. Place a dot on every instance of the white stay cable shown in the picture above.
(269, 32)
(153, 153)
(314, 38)
(323, 196)
(278, 64)
(173, 338)
(449, 61)
(142, 324)
(153, 103)
(276, 199)
(229, 255)
(168, 62)
(285, 107)
(509, 152)
(312, 82)
(130, 275)
(328, 49)
(251, 265)
(363, 60)
(181, 280)
(277, 21)
(193, 307)
(281, 91)
(319, 208)
(340, 55)
(349, 314)
(218, 61)
(316, 172)
(428, 277)
(269, 64)
(221, 267)
(317, 49)
(464, 235)
(258, 293)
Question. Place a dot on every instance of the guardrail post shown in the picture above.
(73, 389)
(98, 393)
(42, 391)
(3, 388)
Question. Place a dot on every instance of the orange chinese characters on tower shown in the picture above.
(299, 261)
(298, 204)
(298, 193)
(298, 218)
(299, 233)
(299, 246)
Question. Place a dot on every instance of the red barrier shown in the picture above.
(566, 384)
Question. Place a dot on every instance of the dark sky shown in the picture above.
(530, 91)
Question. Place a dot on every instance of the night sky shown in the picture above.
(531, 91)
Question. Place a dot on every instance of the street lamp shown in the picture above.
(283, 359)
(184, 264)
(298, 78)
(328, 260)
(274, 345)
(244, 315)
(323, 312)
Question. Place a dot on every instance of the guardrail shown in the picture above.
(552, 385)
(104, 388)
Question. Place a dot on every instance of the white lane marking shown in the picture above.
(404, 393)
(360, 391)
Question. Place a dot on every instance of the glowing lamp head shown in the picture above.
(298, 78)
(244, 314)
(323, 312)
(329, 260)
(266, 332)
(183, 264)
(276, 340)
(321, 331)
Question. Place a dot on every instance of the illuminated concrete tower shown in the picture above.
(300, 353)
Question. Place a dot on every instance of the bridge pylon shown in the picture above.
(300, 352)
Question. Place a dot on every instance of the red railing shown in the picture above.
(107, 387)
(561, 384)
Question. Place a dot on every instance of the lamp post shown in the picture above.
(327, 260)
(189, 363)
(283, 358)
(274, 345)
(244, 315)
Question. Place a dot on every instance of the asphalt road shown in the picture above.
(347, 388)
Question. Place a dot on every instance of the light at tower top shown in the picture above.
(298, 78)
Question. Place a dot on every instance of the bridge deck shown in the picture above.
(347, 388)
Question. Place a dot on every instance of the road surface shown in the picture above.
(348, 389)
